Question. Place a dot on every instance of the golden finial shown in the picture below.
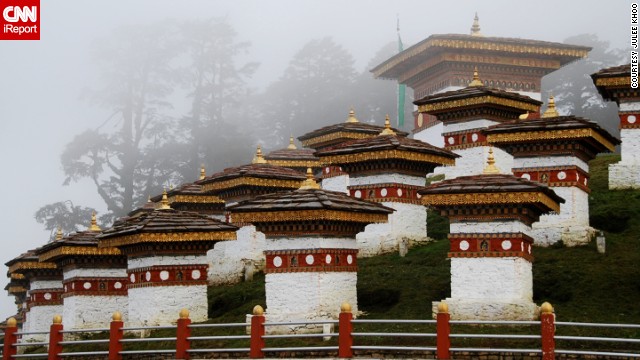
(491, 167)
(117, 316)
(149, 199)
(57, 319)
(546, 308)
(310, 182)
(292, 145)
(345, 307)
(387, 127)
(170, 186)
(551, 109)
(259, 159)
(203, 174)
(524, 116)
(164, 203)
(12, 322)
(59, 233)
(475, 28)
(476, 78)
(443, 307)
(352, 116)
(94, 223)
(184, 313)
(258, 310)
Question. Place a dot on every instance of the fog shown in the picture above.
(42, 106)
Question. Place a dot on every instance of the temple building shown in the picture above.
(311, 250)
(464, 113)
(166, 262)
(444, 62)
(17, 287)
(614, 84)
(44, 293)
(94, 279)
(333, 177)
(233, 261)
(389, 169)
(555, 150)
(294, 158)
(491, 247)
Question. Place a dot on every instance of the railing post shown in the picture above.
(115, 335)
(547, 331)
(443, 330)
(10, 338)
(345, 330)
(183, 331)
(257, 332)
(55, 337)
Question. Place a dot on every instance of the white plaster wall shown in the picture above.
(624, 176)
(472, 161)
(227, 260)
(40, 318)
(491, 279)
(90, 312)
(286, 243)
(103, 273)
(547, 161)
(495, 310)
(161, 305)
(630, 146)
(308, 296)
(338, 183)
(45, 284)
(135, 263)
(468, 125)
(387, 178)
(493, 227)
(630, 106)
(570, 225)
(407, 224)
(431, 135)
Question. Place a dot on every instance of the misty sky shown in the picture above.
(42, 82)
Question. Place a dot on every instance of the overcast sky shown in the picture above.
(42, 82)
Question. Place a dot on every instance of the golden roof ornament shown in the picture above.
(310, 182)
(259, 159)
(94, 223)
(164, 203)
(352, 117)
(387, 127)
(491, 167)
(475, 28)
(203, 174)
(292, 145)
(59, 233)
(551, 109)
(524, 116)
(476, 78)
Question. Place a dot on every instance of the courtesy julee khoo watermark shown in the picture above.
(634, 45)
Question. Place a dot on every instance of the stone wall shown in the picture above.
(228, 260)
(338, 183)
(161, 305)
(90, 312)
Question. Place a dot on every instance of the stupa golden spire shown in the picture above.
(352, 116)
(387, 127)
(94, 223)
(292, 145)
(551, 109)
(310, 182)
(476, 78)
(491, 167)
(259, 158)
(475, 28)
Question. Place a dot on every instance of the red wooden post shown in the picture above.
(345, 329)
(183, 344)
(548, 330)
(257, 331)
(55, 337)
(115, 335)
(443, 330)
(10, 338)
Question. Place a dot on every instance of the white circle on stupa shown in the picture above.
(451, 140)
(117, 285)
(73, 286)
(474, 137)
(529, 249)
(399, 192)
(86, 285)
(132, 278)
(164, 275)
(526, 176)
(65, 288)
(349, 259)
(506, 244)
(464, 245)
(521, 246)
(147, 276)
(327, 170)
(631, 119)
(195, 274)
(309, 259)
(358, 194)
(327, 259)
(47, 296)
(585, 181)
(383, 192)
(277, 261)
(577, 176)
(418, 195)
(562, 175)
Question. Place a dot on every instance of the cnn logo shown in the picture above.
(20, 20)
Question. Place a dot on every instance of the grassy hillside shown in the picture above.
(582, 284)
